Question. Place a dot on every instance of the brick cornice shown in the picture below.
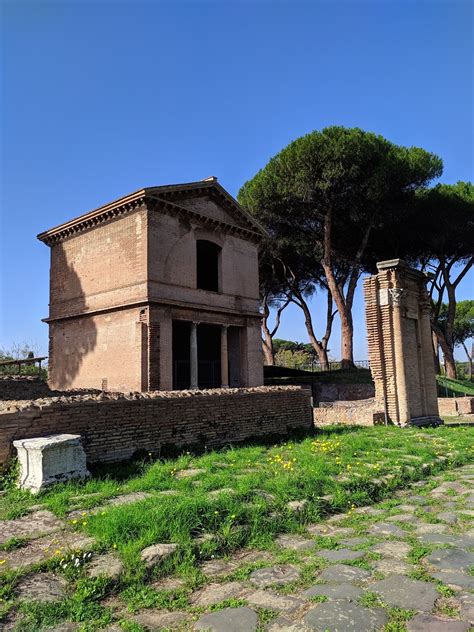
(128, 204)
(90, 220)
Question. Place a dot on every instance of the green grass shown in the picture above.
(453, 420)
(454, 388)
(263, 480)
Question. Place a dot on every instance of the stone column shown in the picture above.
(396, 296)
(193, 357)
(224, 358)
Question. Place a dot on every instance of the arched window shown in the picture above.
(207, 257)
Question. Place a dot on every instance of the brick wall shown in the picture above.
(456, 405)
(358, 413)
(114, 427)
(344, 392)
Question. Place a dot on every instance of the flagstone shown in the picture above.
(157, 553)
(428, 622)
(31, 526)
(401, 592)
(41, 587)
(297, 505)
(406, 508)
(273, 601)
(392, 566)
(455, 580)
(424, 528)
(56, 545)
(343, 573)
(448, 516)
(218, 492)
(418, 500)
(354, 541)
(107, 565)
(467, 606)
(386, 529)
(229, 620)
(278, 575)
(340, 555)
(404, 517)
(155, 619)
(168, 584)
(190, 472)
(333, 591)
(283, 624)
(214, 593)
(344, 617)
(451, 560)
(397, 550)
(116, 501)
(295, 542)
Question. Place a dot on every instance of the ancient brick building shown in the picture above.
(400, 348)
(156, 291)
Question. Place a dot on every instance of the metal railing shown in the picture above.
(315, 367)
(7, 367)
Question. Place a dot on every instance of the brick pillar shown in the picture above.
(400, 348)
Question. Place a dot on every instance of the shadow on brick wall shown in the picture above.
(74, 336)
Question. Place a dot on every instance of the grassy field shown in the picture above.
(335, 471)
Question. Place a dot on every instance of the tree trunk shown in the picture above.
(267, 346)
(347, 344)
(437, 364)
(267, 342)
(449, 363)
(319, 349)
(470, 357)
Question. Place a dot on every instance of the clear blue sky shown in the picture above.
(102, 98)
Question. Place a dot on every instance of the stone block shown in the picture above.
(48, 460)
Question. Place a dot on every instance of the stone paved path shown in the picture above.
(405, 564)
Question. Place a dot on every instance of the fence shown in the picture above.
(25, 366)
(315, 367)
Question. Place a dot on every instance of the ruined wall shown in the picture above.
(400, 347)
(341, 392)
(456, 405)
(115, 427)
(356, 413)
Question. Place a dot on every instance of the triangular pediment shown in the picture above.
(208, 198)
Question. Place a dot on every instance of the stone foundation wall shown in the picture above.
(19, 388)
(22, 387)
(344, 392)
(456, 405)
(115, 427)
(355, 413)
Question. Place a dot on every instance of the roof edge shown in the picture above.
(132, 200)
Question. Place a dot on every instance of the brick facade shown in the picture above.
(122, 275)
(400, 347)
(114, 428)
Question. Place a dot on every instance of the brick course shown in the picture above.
(116, 427)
